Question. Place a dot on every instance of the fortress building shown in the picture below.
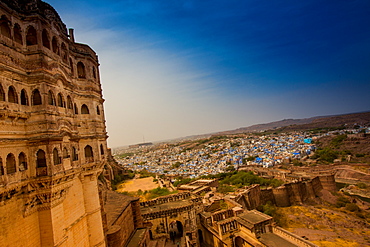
(52, 131)
(55, 164)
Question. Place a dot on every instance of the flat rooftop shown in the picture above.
(137, 237)
(273, 240)
(254, 217)
(116, 203)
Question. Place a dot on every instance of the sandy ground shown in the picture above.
(136, 184)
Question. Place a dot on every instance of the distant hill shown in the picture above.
(349, 120)
(362, 118)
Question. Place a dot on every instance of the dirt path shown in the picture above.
(136, 184)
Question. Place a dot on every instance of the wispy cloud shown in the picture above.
(177, 68)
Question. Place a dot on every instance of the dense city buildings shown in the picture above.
(215, 155)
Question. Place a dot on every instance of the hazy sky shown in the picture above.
(173, 68)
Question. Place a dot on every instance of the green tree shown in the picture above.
(230, 168)
(176, 165)
(224, 188)
(326, 154)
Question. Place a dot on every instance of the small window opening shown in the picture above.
(12, 95)
(36, 97)
(31, 36)
(81, 70)
(84, 109)
(24, 98)
(10, 164)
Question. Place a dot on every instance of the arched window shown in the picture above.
(1, 167)
(89, 155)
(31, 36)
(12, 95)
(2, 93)
(4, 27)
(93, 72)
(41, 159)
(24, 98)
(36, 97)
(69, 102)
(71, 64)
(18, 34)
(10, 164)
(64, 52)
(65, 153)
(84, 109)
(45, 39)
(56, 157)
(76, 109)
(51, 98)
(22, 162)
(81, 70)
(61, 102)
(101, 149)
(54, 44)
(74, 154)
(97, 110)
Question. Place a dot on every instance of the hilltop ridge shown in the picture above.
(333, 121)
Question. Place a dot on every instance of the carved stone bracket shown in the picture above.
(45, 196)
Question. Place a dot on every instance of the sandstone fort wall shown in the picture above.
(287, 194)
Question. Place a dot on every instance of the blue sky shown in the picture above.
(173, 68)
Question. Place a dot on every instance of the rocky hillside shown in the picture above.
(323, 122)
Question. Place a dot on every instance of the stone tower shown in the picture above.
(52, 131)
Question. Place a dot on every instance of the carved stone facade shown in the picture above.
(52, 131)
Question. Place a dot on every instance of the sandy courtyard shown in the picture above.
(136, 184)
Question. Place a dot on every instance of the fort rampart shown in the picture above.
(287, 194)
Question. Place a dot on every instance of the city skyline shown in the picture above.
(172, 69)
